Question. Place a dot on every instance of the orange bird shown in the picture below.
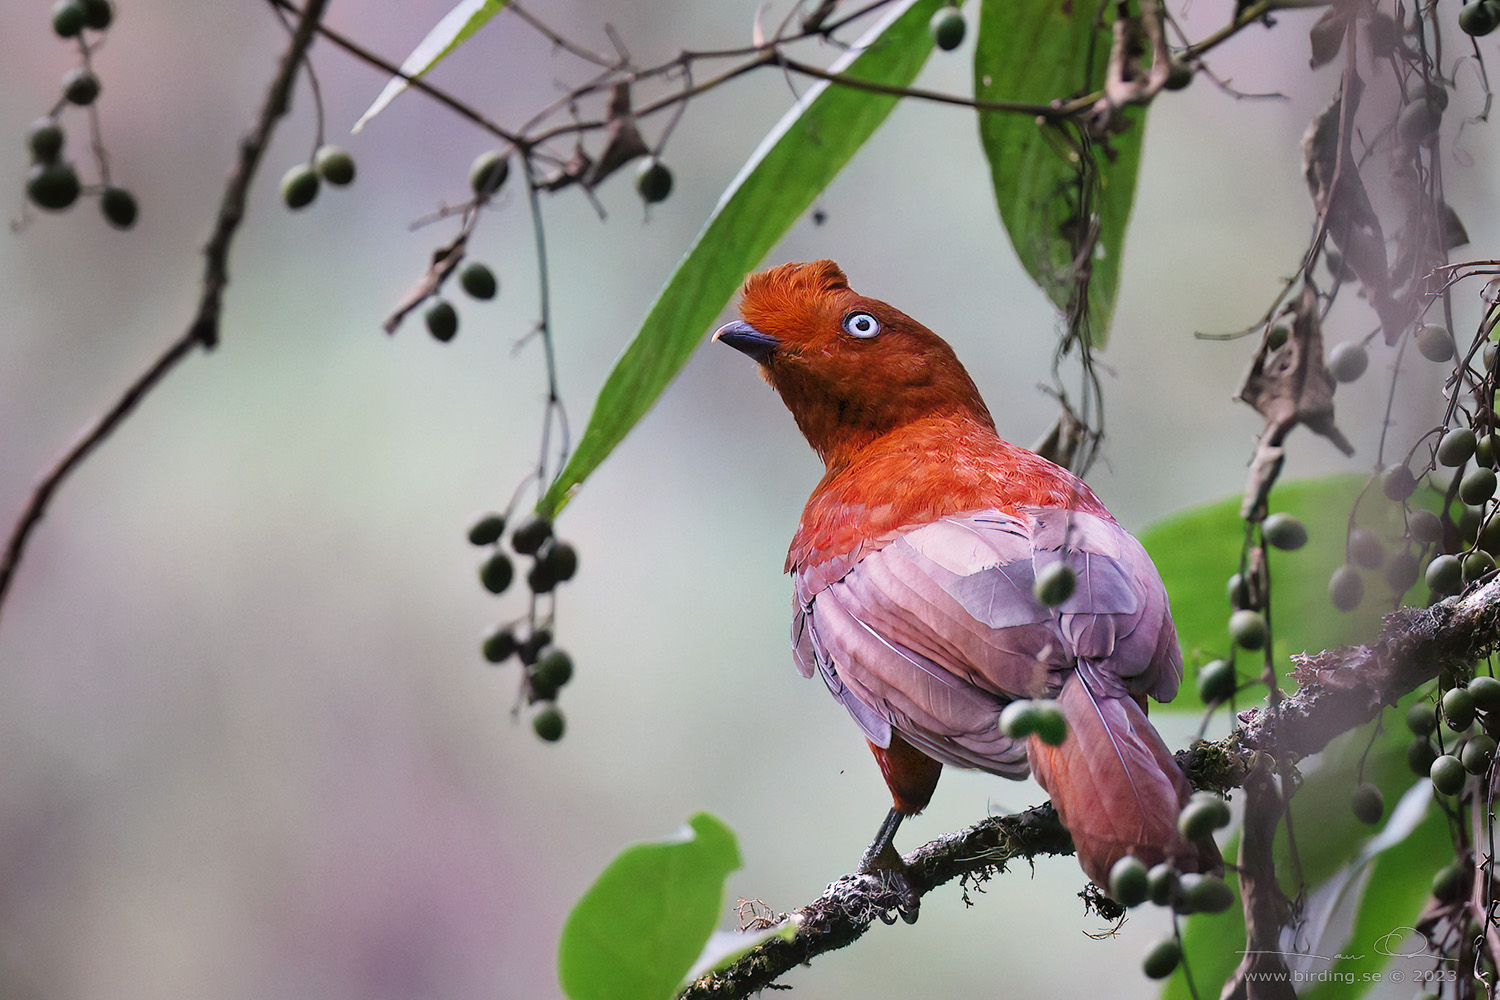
(914, 565)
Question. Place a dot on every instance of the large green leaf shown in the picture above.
(640, 926)
(795, 162)
(1038, 51)
(1197, 551)
(467, 17)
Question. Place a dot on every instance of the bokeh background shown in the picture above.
(250, 749)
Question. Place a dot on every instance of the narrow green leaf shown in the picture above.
(796, 161)
(1197, 551)
(1038, 51)
(641, 925)
(467, 17)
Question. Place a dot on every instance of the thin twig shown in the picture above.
(203, 331)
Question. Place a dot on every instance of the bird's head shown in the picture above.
(850, 368)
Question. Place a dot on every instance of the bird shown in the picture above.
(914, 565)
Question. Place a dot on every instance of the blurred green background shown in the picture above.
(250, 747)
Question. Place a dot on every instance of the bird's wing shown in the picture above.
(935, 632)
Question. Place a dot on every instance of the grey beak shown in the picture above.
(748, 340)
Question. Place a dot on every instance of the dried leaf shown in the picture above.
(1327, 34)
(622, 140)
(1290, 386)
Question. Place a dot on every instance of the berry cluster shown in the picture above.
(487, 175)
(1461, 749)
(547, 668)
(1131, 883)
(300, 184)
(53, 183)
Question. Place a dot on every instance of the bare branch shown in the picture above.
(203, 331)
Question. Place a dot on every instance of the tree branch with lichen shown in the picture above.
(1338, 690)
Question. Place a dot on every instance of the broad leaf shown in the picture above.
(1198, 550)
(1038, 51)
(448, 34)
(795, 162)
(641, 925)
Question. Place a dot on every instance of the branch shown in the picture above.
(1339, 690)
(203, 331)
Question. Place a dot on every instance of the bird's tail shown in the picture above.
(1116, 786)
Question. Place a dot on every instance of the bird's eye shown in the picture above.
(861, 325)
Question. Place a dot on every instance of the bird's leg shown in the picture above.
(881, 858)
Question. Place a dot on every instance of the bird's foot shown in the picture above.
(884, 862)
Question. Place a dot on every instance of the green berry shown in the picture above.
(487, 530)
(488, 172)
(1051, 724)
(1278, 337)
(1283, 531)
(530, 534)
(540, 578)
(1420, 756)
(299, 186)
(1476, 565)
(948, 27)
(1485, 691)
(1346, 588)
(81, 86)
(549, 724)
(1367, 804)
(44, 137)
(1477, 19)
(1365, 548)
(119, 207)
(1203, 814)
(1204, 894)
(334, 165)
(1477, 486)
(1421, 718)
(536, 642)
(1458, 709)
(561, 559)
(1477, 753)
(555, 668)
(1018, 719)
(53, 186)
(1248, 629)
(1127, 882)
(1487, 447)
(1238, 592)
(653, 181)
(98, 14)
(1348, 361)
(1435, 342)
(1161, 883)
(1216, 681)
(1425, 526)
(68, 18)
(1445, 576)
(1162, 960)
(1450, 884)
(442, 320)
(500, 645)
(1397, 482)
(1179, 76)
(1448, 775)
(1402, 571)
(1054, 584)
(1457, 447)
(496, 573)
(478, 280)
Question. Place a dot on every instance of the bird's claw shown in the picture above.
(895, 877)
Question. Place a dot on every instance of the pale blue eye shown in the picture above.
(861, 325)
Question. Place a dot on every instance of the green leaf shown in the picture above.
(640, 926)
(1038, 51)
(1198, 550)
(467, 17)
(796, 161)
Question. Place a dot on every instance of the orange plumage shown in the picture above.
(913, 565)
